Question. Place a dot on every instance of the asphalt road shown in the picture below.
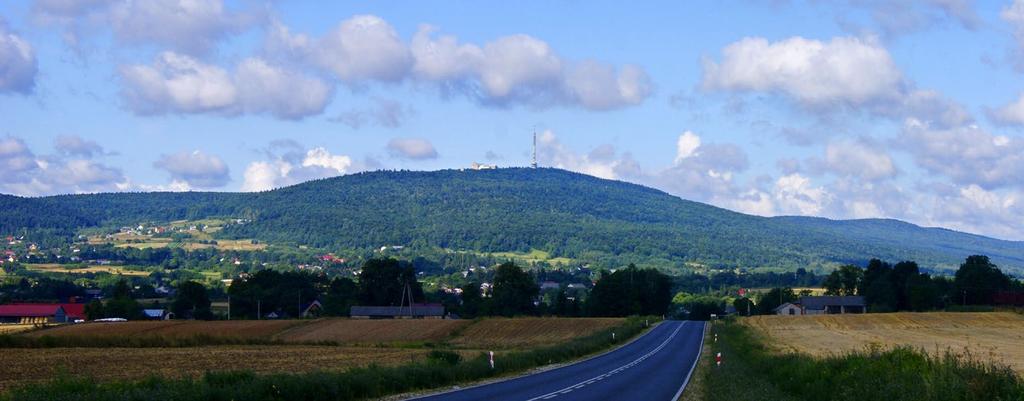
(654, 367)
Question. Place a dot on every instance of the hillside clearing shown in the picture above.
(73, 269)
(997, 337)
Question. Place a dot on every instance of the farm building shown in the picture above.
(158, 314)
(32, 313)
(312, 310)
(414, 311)
(823, 305)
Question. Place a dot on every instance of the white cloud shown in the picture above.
(1009, 114)
(510, 70)
(966, 155)
(686, 145)
(412, 148)
(178, 83)
(197, 169)
(843, 71)
(28, 174)
(603, 161)
(18, 66)
(294, 166)
(74, 145)
(364, 47)
(859, 158)
(186, 26)
(795, 194)
(320, 157)
(286, 94)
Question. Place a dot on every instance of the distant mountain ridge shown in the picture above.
(564, 213)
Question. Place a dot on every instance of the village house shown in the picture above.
(823, 305)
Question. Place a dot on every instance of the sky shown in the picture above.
(910, 110)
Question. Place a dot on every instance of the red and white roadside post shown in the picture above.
(491, 353)
(718, 359)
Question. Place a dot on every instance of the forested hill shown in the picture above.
(565, 213)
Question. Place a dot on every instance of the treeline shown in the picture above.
(385, 282)
(904, 287)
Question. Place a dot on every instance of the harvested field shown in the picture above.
(20, 366)
(238, 329)
(529, 332)
(986, 336)
(356, 331)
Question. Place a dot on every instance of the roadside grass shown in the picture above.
(752, 371)
(440, 370)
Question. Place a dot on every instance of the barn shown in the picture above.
(416, 311)
(823, 305)
(32, 313)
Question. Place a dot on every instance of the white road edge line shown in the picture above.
(619, 369)
(628, 343)
(700, 351)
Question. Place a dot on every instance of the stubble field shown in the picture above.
(290, 346)
(996, 337)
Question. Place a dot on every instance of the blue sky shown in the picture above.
(847, 109)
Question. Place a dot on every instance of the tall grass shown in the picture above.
(355, 384)
(751, 372)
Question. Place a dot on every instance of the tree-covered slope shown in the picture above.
(565, 213)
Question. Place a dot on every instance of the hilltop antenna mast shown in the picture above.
(534, 164)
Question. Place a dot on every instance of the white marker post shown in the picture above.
(613, 336)
(492, 358)
(718, 359)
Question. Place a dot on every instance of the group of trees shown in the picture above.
(904, 287)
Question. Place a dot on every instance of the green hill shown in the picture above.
(560, 212)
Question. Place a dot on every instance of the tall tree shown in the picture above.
(978, 280)
(514, 291)
(341, 295)
(192, 302)
(382, 282)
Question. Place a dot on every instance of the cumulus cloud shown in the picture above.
(966, 155)
(603, 161)
(18, 66)
(187, 26)
(196, 169)
(843, 71)
(412, 149)
(859, 158)
(178, 83)
(510, 70)
(29, 174)
(289, 163)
